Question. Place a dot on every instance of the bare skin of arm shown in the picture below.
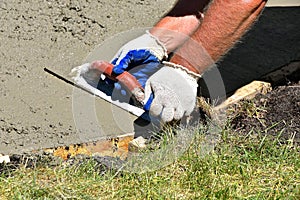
(180, 23)
(224, 23)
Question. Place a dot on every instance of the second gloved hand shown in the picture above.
(174, 93)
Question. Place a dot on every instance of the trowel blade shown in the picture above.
(114, 118)
(82, 84)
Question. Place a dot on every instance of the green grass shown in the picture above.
(241, 167)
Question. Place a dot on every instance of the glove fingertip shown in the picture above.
(167, 115)
(178, 114)
(155, 108)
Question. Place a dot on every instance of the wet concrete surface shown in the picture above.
(36, 109)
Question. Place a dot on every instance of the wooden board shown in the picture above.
(113, 147)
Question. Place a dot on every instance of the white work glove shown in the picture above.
(86, 71)
(174, 91)
(141, 50)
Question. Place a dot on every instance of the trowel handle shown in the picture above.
(127, 80)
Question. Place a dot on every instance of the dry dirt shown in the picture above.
(276, 113)
(35, 108)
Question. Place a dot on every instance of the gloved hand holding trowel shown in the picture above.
(195, 40)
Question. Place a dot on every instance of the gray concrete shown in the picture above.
(283, 3)
(36, 109)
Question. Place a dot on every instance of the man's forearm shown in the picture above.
(180, 23)
(225, 22)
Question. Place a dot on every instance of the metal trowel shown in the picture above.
(107, 117)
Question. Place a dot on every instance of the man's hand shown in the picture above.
(169, 93)
(173, 91)
(142, 50)
(140, 57)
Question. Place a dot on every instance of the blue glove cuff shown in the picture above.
(148, 103)
(133, 58)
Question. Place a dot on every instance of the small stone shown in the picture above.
(137, 144)
(263, 100)
(4, 159)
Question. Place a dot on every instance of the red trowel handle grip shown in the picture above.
(125, 79)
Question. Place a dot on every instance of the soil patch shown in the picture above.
(276, 113)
